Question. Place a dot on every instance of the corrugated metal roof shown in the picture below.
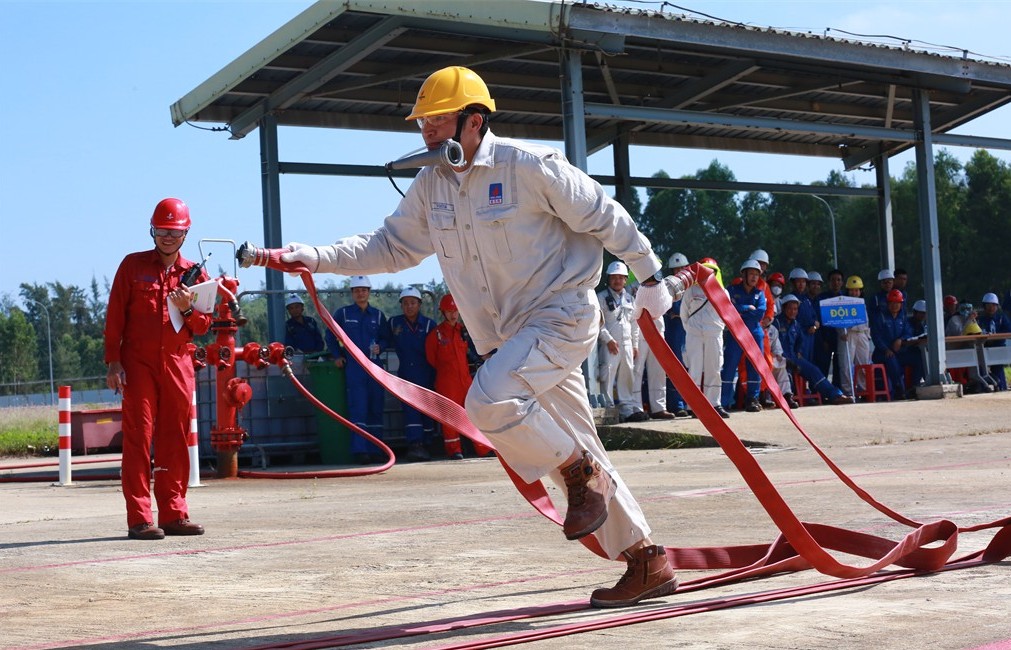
(358, 64)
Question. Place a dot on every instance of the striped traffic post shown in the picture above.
(64, 431)
(193, 445)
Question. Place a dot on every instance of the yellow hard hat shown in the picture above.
(972, 328)
(449, 90)
(854, 282)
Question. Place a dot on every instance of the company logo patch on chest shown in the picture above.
(495, 194)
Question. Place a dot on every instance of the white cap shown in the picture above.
(920, 305)
(750, 264)
(410, 292)
(360, 281)
(798, 273)
(990, 298)
(789, 298)
(677, 260)
(814, 276)
(617, 268)
(885, 274)
(759, 255)
(293, 299)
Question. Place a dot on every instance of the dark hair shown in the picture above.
(901, 272)
(835, 272)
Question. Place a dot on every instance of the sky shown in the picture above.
(87, 146)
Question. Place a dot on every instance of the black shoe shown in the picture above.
(753, 406)
(723, 412)
(662, 415)
(682, 413)
(456, 456)
(638, 416)
(417, 453)
(792, 403)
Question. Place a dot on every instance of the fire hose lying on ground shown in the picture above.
(801, 545)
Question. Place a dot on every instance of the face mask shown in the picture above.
(776, 291)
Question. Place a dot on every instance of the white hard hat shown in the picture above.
(410, 292)
(360, 281)
(990, 298)
(920, 305)
(751, 264)
(798, 273)
(293, 299)
(789, 298)
(759, 255)
(814, 276)
(677, 260)
(885, 274)
(617, 268)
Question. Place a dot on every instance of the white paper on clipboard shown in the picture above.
(204, 297)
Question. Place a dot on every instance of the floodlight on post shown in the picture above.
(49, 337)
(831, 214)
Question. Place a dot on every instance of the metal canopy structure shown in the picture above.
(594, 76)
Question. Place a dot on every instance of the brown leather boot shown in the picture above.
(649, 575)
(590, 490)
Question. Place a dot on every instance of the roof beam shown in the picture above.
(329, 67)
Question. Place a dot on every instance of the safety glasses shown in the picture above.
(437, 120)
(167, 232)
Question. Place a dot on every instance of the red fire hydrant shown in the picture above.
(233, 392)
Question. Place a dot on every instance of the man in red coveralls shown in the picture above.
(150, 363)
(446, 351)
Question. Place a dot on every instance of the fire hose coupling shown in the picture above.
(449, 154)
(679, 282)
(249, 254)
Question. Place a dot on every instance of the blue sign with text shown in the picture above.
(843, 311)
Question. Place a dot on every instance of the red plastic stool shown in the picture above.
(871, 391)
(803, 390)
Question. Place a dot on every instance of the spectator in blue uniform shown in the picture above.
(301, 332)
(889, 331)
(408, 332)
(674, 334)
(791, 337)
(751, 304)
(994, 321)
(826, 344)
(879, 301)
(911, 355)
(367, 328)
(807, 317)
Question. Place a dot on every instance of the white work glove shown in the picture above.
(653, 298)
(302, 254)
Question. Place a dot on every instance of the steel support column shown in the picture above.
(622, 171)
(573, 117)
(270, 187)
(886, 234)
(574, 128)
(929, 237)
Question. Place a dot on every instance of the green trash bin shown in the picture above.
(328, 385)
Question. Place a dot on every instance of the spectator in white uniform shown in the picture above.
(620, 335)
(704, 340)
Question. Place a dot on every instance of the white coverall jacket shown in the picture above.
(703, 342)
(620, 328)
(647, 364)
(520, 240)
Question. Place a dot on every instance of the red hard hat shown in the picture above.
(950, 301)
(778, 277)
(171, 213)
(708, 260)
(447, 303)
(895, 296)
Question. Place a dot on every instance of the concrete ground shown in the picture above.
(298, 563)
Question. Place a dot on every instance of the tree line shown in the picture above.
(974, 215)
